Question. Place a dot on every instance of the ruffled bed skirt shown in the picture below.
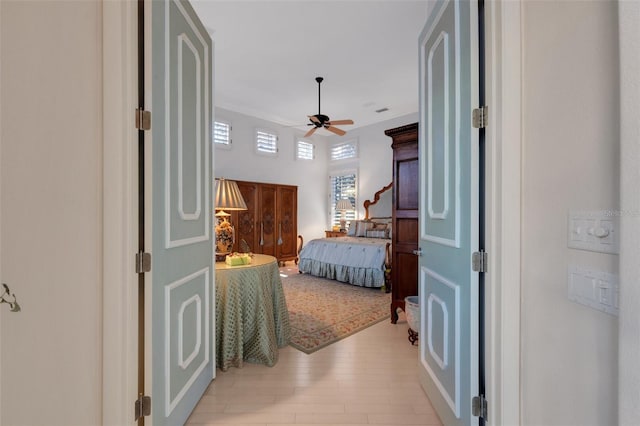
(364, 277)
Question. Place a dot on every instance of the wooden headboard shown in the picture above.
(380, 206)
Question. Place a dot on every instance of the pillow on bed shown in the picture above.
(378, 233)
(363, 227)
(351, 232)
(377, 225)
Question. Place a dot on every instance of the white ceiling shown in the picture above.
(267, 54)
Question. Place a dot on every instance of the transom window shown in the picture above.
(266, 142)
(222, 133)
(305, 150)
(344, 150)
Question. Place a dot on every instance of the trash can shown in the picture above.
(412, 309)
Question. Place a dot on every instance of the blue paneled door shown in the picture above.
(182, 266)
(449, 191)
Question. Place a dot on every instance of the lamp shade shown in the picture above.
(344, 204)
(228, 196)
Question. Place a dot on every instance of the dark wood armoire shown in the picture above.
(404, 262)
(270, 223)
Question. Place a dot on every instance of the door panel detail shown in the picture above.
(441, 70)
(189, 154)
(442, 301)
(438, 126)
(182, 212)
(179, 326)
(187, 124)
(183, 323)
(449, 210)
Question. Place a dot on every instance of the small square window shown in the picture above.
(266, 142)
(305, 150)
(222, 134)
(344, 150)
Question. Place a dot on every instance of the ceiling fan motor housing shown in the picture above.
(322, 119)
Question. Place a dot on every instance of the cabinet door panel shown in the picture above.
(246, 221)
(267, 220)
(287, 222)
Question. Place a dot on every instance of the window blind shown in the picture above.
(222, 133)
(343, 186)
(343, 151)
(305, 150)
(266, 142)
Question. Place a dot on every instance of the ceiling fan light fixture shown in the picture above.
(320, 120)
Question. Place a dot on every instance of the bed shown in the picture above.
(363, 256)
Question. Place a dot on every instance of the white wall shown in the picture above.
(242, 163)
(51, 142)
(570, 161)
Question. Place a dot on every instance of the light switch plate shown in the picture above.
(594, 231)
(596, 289)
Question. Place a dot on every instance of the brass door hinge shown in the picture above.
(143, 119)
(143, 262)
(142, 406)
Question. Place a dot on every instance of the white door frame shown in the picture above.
(503, 61)
(503, 205)
(120, 227)
(629, 324)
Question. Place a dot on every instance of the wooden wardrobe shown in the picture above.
(404, 262)
(270, 225)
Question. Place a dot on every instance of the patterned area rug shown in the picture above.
(323, 311)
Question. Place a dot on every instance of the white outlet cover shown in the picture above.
(596, 289)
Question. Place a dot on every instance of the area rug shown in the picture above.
(323, 311)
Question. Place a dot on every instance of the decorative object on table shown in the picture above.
(412, 309)
(237, 259)
(317, 320)
(343, 206)
(228, 197)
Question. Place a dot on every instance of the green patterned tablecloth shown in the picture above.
(252, 320)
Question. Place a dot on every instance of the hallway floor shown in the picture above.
(368, 378)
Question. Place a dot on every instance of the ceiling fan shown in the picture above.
(320, 120)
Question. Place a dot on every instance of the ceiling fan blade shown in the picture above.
(335, 130)
(336, 122)
(314, 119)
(310, 132)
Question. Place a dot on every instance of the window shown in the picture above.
(222, 134)
(266, 142)
(343, 185)
(344, 150)
(305, 150)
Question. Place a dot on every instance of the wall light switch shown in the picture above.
(596, 289)
(593, 231)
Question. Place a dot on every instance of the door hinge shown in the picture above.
(479, 407)
(143, 262)
(143, 119)
(142, 406)
(479, 261)
(480, 117)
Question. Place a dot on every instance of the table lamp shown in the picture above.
(228, 197)
(342, 206)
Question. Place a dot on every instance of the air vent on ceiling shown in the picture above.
(382, 110)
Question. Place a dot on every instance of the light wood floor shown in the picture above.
(368, 378)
